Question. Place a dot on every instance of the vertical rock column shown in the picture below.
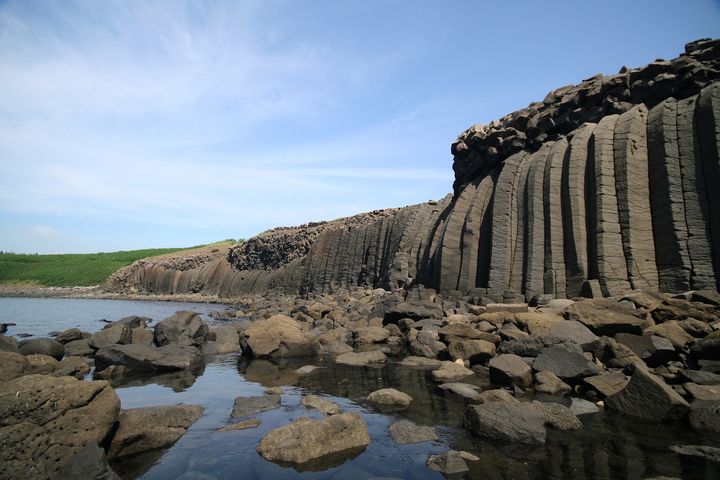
(554, 274)
(707, 122)
(666, 199)
(633, 193)
(605, 233)
(472, 232)
(521, 216)
(699, 243)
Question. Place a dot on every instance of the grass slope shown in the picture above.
(67, 270)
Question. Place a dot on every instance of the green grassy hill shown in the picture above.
(67, 270)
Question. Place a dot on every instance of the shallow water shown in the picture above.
(608, 446)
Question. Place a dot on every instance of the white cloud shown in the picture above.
(43, 231)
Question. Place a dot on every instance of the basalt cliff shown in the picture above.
(609, 185)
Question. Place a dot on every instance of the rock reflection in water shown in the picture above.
(178, 381)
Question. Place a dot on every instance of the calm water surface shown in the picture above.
(608, 446)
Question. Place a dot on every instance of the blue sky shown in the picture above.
(135, 124)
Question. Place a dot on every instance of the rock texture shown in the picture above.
(602, 187)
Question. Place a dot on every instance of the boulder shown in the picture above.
(672, 331)
(565, 360)
(557, 415)
(305, 441)
(248, 406)
(702, 392)
(142, 335)
(548, 382)
(227, 340)
(42, 346)
(607, 384)
(707, 349)
(145, 358)
(604, 316)
(428, 344)
(458, 331)
(537, 323)
(573, 331)
(529, 346)
(497, 395)
(705, 452)
(8, 344)
(306, 369)
(705, 415)
(580, 406)
(449, 371)
(476, 351)
(321, 404)
(41, 364)
(613, 354)
(423, 362)
(130, 322)
(653, 350)
(412, 310)
(506, 307)
(361, 359)
(69, 335)
(73, 366)
(700, 377)
(451, 463)
(510, 331)
(243, 425)
(115, 335)
(389, 397)
(89, 462)
(506, 422)
(508, 369)
(79, 348)
(463, 389)
(12, 365)
(150, 428)
(45, 420)
(649, 397)
(278, 337)
(406, 432)
(183, 328)
(370, 335)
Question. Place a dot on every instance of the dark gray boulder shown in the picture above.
(705, 415)
(506, 422)
(70, 335)
(183, 328)
(450, 463)
(653, 350)
(8, 344)
(90, 463)
(42, 346)
(117, 334)
(566, 360)
(648, 396)
(248, 406)
(508, 369)
(708, 348)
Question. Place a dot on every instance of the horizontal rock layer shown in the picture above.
(609, 185)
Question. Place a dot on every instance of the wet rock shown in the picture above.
(565, 360)
(705, 415)
(41, 364)
(406, 432)
(604, 316)
(653, 350)
(144, 358)
(243, 425)
(183, 328)
(508, 369)
(42, 346)
(557, 415)
(607, 384)
(117, 334)
(306, 369)
(548, 382)
(79, 348)
(360, 359)
(45, 420)
(308, 441)
(248, 406)
(150, 428)
(278, 337)
(497, 395)
(321, 404)
(69, 335)
(423, 362)
(573, 331)
(389, 397)
(448, 463)
(647, 396)
(274, 391)
(370, 335)
(12, 365)
(702, 451)
(89, 462)
(506, 422)
(449, 371)
(476, 351)
(463, 389)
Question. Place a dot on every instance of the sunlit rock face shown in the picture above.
(603, 187)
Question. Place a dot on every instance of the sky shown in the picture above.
(137, 124)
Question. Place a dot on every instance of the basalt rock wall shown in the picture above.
(605, 186)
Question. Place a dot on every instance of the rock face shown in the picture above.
(45, 420)
(306, 440)
(601, 187)
(144, 429)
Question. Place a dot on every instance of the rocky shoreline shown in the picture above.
(641, 355)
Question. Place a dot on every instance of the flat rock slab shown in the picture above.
(573, 331)
(506, 307)
(702, 451)
(361, 359)
(450, 371)
(244, 425)
(604, 316)
(150, 428)
(463, 389)
(309, 442)
(321, 404)
(565, 360)
(703, 392)
(406, 432)
(248, 406)
(146, 358)
(422, 362)
(506, 422)
(649, 397)
(607, 384)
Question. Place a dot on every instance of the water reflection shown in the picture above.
(178, 381)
